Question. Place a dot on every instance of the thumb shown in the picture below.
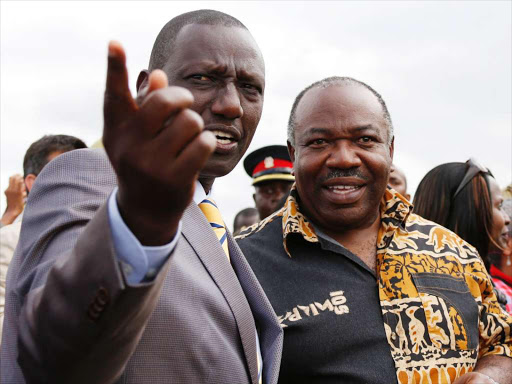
(157, 80)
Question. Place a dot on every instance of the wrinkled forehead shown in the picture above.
(346, 104)
(217, 44)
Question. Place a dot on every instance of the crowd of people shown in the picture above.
(333, 277)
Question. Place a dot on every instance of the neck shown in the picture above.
(506, 264)
(362, 242)
(207, 183)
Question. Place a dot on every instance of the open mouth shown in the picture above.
(224, 137)
(342, 189)
(227, 142)
(344, 193)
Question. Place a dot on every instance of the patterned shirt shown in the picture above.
(436, 298)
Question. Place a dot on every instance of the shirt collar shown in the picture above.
(200, 194)
(394, 210)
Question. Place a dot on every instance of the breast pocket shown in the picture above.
(451, 312)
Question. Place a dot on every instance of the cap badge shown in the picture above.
(269, 162)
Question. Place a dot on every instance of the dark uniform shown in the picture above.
(271, 170)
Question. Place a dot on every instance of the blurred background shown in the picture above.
(444, 69)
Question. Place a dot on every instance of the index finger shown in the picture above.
(117, 74)
(117, 91)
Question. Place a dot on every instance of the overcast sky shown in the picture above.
(443, 68)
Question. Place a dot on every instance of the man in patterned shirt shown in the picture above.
(367, 291)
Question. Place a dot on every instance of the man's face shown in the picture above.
(269, 194)
(223, 68)
(341, 156)
(397, 182)
(244, 222)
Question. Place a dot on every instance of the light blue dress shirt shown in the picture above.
(141, 262)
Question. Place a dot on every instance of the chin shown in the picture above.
(218, 168)
(497, 246)
(352, 218)
(503, 244)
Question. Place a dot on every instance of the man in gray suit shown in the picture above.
(136, 287)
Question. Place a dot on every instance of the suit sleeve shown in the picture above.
(80, 322)
(8, 240)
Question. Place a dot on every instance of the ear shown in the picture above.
(408, 196)
(142, 80)
(392, 148)
(29, 181)
(254, 197)
(291, 151)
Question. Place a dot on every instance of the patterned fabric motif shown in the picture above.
(212, 214)
(439, 309)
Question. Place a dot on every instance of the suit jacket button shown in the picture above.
(97, 307)
(102, 297)
(92, 314)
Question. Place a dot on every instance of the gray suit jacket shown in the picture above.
(72, 318)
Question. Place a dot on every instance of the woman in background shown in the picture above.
(465, 198)
(501, 262)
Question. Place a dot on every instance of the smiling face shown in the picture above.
(223, 68)
(341, 156)
(500, 219)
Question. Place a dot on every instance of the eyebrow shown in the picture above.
(244, 74)
(368, 127)
(316, 130)
(363, 128)
(221, 69)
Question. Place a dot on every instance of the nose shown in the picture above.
(506, 217)
(343, 155)
(277, 195)
(227, 103)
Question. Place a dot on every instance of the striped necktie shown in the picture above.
(212, 214)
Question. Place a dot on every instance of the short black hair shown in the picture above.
(337, 80)
(247, 212)
(37, 154)
(164, 42)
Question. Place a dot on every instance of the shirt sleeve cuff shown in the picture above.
(139, 263)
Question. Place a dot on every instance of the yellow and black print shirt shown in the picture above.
(440, 313)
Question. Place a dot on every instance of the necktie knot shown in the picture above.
(212, 214)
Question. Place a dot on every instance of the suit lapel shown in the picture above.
(269, 330)
(197, 231)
